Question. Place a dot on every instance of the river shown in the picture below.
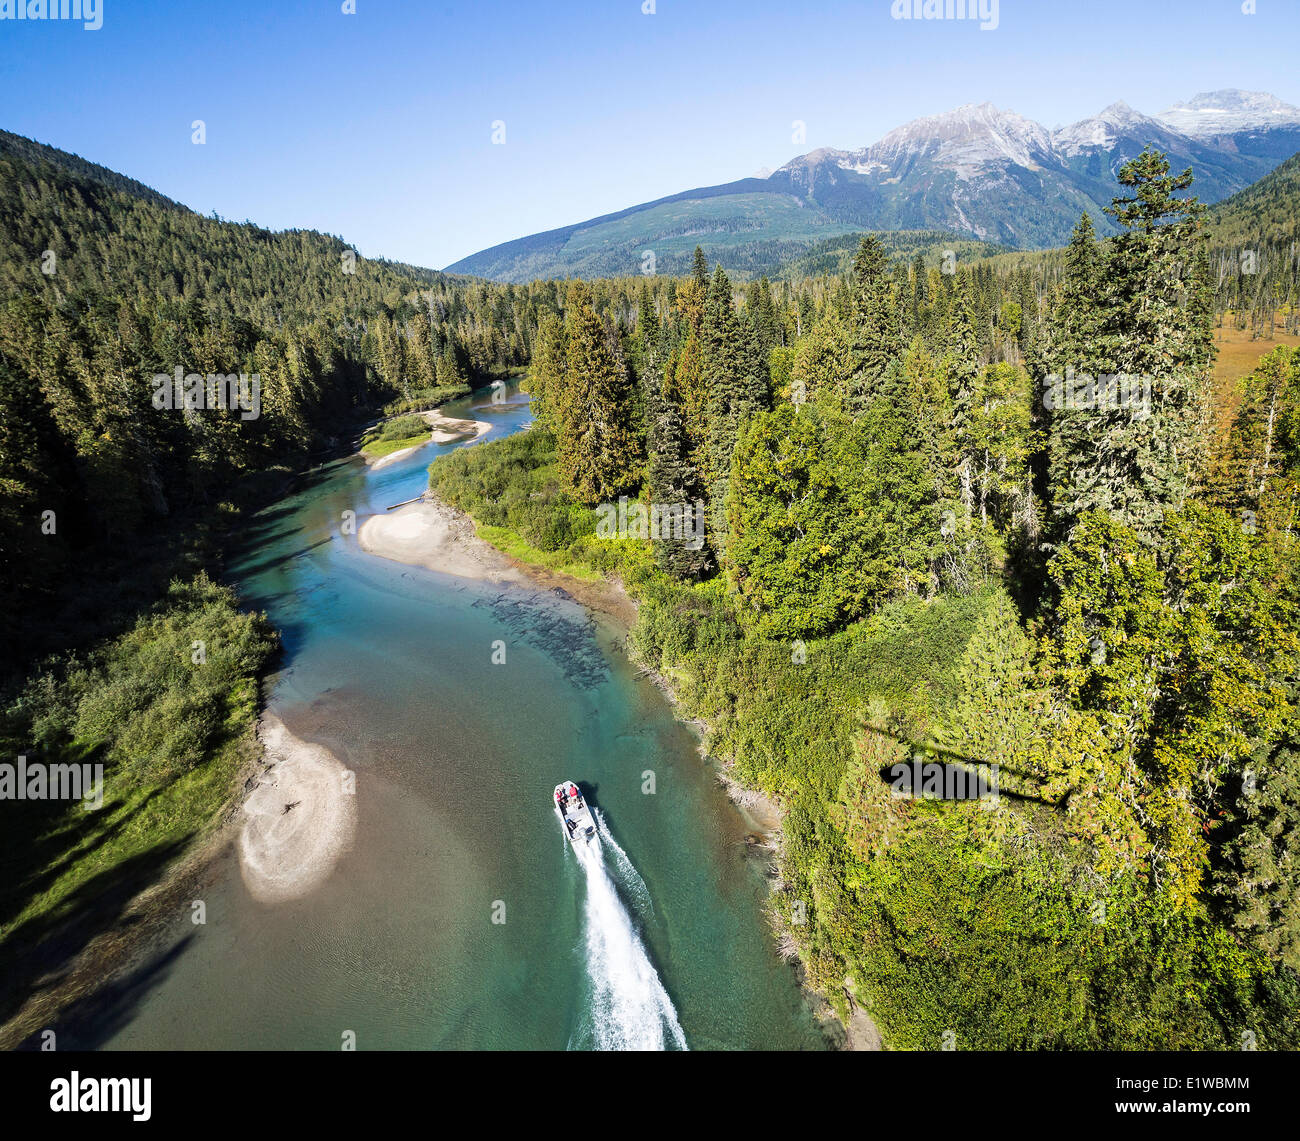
(460, 918)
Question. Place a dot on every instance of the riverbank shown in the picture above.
(431, 534)
(435, 535)
(290, 816)
(378, 452)
(81, 885)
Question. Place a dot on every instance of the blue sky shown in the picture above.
(378, 126)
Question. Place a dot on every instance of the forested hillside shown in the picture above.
(920, 548)
(116, 512)
(1270, 206)
(105, 284)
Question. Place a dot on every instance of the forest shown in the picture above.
(915, 552)
(116, 516)
(940, 524)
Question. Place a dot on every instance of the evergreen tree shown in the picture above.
(647, 327)
(674, 483)
(685, 386)
(700, 270)
(1118, 449)
(737, 385)
(1255, 879)
(897, 487)
(597, 445)
(962, 366)
(420, 351)
(822, 362)
(875, 332)
(546, 375)
(759, 308)
(448, 373)
(919, 294)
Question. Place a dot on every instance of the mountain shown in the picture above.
(1216, 114)
(35, 154)
(1268, 211)
(978, 171)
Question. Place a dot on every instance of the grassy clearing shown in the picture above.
(394, 435)
(515, 545)
(1239, 352)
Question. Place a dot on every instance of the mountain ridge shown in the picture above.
(979, 171)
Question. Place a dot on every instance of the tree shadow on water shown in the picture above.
(91, 1021)
(39, 955)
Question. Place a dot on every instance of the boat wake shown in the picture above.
(629, 1007)
(628, 876)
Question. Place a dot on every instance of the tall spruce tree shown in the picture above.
(919, 295)
(700, 269)
(1132, 443)
(546, 375)
(647, 326)
(676, 492)
(736, 383)
(874, 318)
(597, 445)
(962, 365)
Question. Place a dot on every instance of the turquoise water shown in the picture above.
(656, 940)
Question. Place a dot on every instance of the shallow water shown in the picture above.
(653, 939)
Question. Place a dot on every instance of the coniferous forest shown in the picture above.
(990, 512)
(919, 548)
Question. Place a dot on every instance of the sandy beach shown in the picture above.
(299, 818)
(430, 534)
(448, 430)
(442, 430)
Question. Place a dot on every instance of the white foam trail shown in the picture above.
(630, 1010)
(629, 876)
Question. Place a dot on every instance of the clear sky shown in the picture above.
(377, 126)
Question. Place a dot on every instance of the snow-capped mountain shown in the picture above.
(1105, 129)
(1216, 113)
(964, 139)
(977, 170)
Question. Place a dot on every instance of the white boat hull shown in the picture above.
(574, 812)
